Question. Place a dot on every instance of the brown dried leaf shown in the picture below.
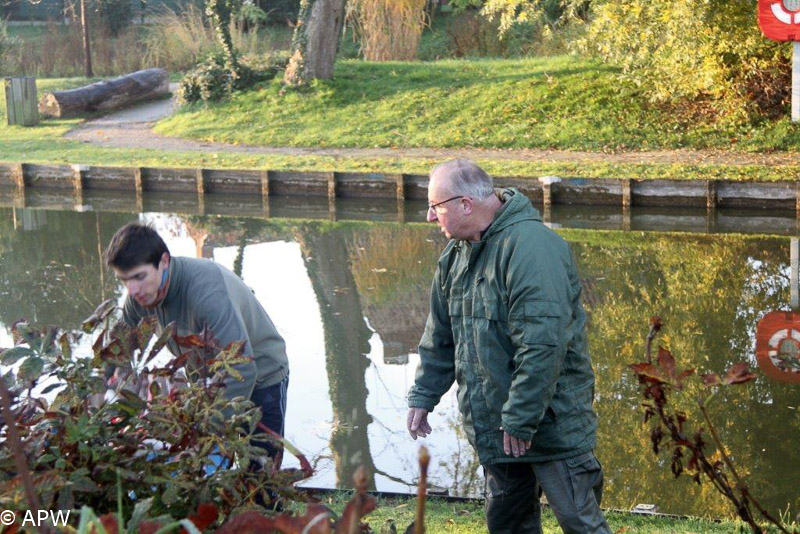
(739, 373)
(711, 379)
(249, 522)
(667, 363)
(647, 372)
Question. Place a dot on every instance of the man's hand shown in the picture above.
(515, 446)
(418, 422)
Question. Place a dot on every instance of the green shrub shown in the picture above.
(178, 41)
(8, 46)
(250, 16)
(682, 50)
(211, 80)
(114, 15)
(151, 428)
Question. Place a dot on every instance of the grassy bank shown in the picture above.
(45, 144)
(468, 518)
(558, 102)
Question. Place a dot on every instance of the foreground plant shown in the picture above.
(672, 429)
(163, 434)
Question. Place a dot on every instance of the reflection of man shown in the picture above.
(199, 294)
(506, 322)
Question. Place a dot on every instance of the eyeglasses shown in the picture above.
(432, 207)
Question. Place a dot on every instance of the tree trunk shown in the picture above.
(87, 53)
(315, 41)
(105, 95)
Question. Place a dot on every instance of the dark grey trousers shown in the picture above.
(573, 487)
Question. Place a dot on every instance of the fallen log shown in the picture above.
(107, 94)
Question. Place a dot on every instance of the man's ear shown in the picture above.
(164, 260)
(468, 205)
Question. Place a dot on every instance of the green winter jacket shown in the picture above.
(507, 324)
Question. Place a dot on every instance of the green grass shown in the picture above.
(559, 102)
(468, 518)
(266, 117)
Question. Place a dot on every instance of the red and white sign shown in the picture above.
(778, 346)
(780, 19)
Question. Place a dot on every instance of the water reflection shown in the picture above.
(351, 300)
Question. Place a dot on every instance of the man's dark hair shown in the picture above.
(133, 245)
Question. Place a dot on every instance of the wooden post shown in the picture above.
(332, 196)
(547, 181)
(21, 101)
(711, 194)
(138, 188)
(201, 190)
(265, 193)
(796, 81)
(400, 180)
(794, 291)
(77, 181)
(626, 193)
(18, 175)
(331, 185)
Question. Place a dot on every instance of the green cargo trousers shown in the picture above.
(573, 488)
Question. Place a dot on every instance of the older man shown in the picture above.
(506, 322)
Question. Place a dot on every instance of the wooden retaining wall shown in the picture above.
(263, 184)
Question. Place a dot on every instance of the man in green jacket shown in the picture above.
(197, 294)
(506, 323)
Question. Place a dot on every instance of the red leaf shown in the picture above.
(359, 506)
(685, 373)
(655, 322)
(711, 379)
(149, 527)
(647, 372)
(249, 522)
(206, 515)
(315, 521)
(192, 340)
(739, 373)
(666, 362)
(109, 522)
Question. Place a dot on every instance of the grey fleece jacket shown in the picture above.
(205, 294)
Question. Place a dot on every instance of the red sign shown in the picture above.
(778, 346)
(780, 19)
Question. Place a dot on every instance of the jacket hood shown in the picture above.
(516, 208)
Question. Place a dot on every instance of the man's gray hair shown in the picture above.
(465, 178)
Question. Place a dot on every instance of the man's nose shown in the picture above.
(431, 215)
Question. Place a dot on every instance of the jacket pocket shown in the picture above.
(455, 305)
(490, 309)
(540, 322)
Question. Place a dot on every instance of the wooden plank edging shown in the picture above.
(551, 190)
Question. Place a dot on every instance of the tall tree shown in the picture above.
(315, 41)
(87, 53)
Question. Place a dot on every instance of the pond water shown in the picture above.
(350, 298)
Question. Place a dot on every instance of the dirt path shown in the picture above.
(133, 128)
